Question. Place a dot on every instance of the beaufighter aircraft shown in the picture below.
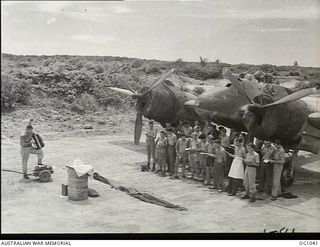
(264, 112)
(162, 101)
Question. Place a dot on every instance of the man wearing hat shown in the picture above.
(172, 141)
(151, 135)
(27, 148)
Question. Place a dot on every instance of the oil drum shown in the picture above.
(77, 186)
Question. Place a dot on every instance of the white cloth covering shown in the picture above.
(81, 168)
(237, 169)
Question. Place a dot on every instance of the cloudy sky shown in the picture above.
(249, 31)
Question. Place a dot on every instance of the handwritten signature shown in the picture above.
(282, 230)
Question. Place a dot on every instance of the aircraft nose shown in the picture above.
(192, 103)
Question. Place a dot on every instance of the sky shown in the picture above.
(235, 31)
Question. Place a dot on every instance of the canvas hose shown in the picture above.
(138, 195)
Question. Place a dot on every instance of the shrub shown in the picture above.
(201, 73)
(266, 67)
(294, 73)
(137, 63)
(85, 103)
(14, 91)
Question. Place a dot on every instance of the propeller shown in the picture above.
(140, 97)
(124, 91)
(226, 73)
(253, 112)
(162, 78)
(292, 97)
(138, 125)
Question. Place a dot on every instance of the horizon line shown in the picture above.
(155, 59)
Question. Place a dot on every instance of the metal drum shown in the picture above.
(77, 186)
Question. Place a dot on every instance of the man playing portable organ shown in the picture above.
(31, 143)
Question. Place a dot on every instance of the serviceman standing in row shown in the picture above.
(251, 161)
(151, 136)
(266, 171)
(203, 148)
(182, 155)
(278, 161)
(219, 165)
(172, 140)
(161, 148)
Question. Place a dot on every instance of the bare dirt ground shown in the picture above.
(39, 207)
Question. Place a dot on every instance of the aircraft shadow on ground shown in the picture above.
(141, 148)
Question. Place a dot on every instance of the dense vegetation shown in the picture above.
(79, 83)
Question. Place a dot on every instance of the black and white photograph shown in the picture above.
(160, 117)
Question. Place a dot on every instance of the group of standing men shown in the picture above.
(208, 155)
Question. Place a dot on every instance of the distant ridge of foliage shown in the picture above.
(80, 82)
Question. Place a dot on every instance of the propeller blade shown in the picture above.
(128, 86)
(159, 81)
(292, 97)
(234, 81)
(123, 91)
(138, 128)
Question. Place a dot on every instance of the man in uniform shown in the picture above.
(265, 181)
(187, 129)
(172, 140)
(203, 148)
(151, 135)
(210, 160)
(27, 148)
(194, 154)
(182, 155)
(252, 162)
(278, 161)
(225, 143)
(219, 164)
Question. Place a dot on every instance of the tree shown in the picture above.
(217, 60)
(295, 63)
